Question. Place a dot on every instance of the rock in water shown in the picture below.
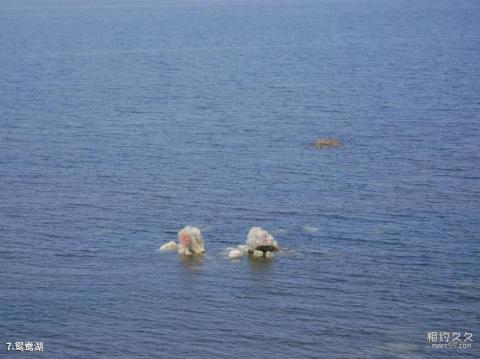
(190, 241)
(169, 246)
(259, 239)
(257, 253)
(326, 143)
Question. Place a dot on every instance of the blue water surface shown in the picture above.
(122, 121)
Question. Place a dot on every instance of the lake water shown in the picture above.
(123, 121)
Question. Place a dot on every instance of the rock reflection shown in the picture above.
(259, 267)
(191, 263)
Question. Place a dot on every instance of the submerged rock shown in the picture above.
(310, 229)
(169, 246)
(238, 251)
(326, 143)
(190, 241)
(243, 248)
(234, 253)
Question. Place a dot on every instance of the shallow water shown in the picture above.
(123, 121)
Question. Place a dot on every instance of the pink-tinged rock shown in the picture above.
(190, 241)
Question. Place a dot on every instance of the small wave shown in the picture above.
(310, 229)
